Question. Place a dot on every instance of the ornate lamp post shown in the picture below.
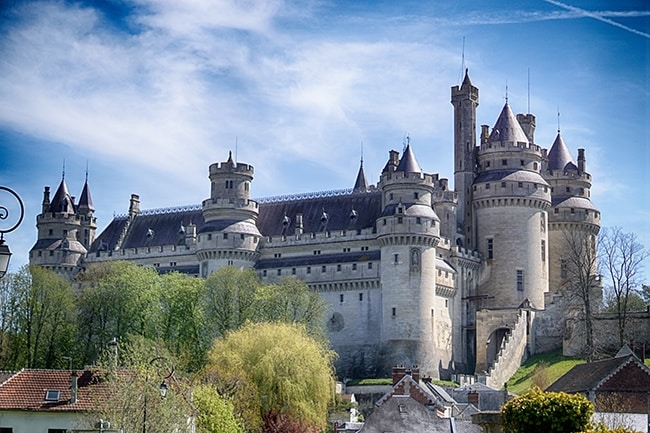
(5, 254)
(162, 388)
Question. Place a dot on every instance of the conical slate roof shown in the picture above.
(507, 128)
(408, 163)
(62, 200)
(559, 156)
(361, 184)
(86, 201)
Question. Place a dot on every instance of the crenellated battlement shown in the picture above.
(231, 167)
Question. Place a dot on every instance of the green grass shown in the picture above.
(542, 369)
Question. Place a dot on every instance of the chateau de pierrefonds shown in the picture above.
(466, 279)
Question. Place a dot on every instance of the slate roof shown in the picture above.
(408, 163)
(26, 390)
(589, 377)
(511, 175)
(361, 184)
(564, 201)
(507, 128)
(86, 200)
(62, 200)
(559, 157)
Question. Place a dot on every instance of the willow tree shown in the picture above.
(290, 372)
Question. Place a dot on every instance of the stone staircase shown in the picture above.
(511, 354)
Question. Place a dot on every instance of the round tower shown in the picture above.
(408, 232)
(465, 100)
(230, 236)
(510, 202)
(64, 231)
(572, 213)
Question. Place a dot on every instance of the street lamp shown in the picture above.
(163, 388)
(5, 254)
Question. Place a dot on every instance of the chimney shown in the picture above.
(73, 387)
(415, 373)
(134, 206)
(582, 162)
(299, 228)
(473, 398)
(46, 198)
(485, 133)
(399, 372)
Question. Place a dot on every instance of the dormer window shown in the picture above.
(52, 395)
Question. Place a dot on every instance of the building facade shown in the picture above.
(453, 280)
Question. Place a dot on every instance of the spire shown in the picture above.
(62, 200)
(230, 161)
(86, 201)
(408, 163)
(559, 157)
(361, 184)
(507, 128)
(466, 80)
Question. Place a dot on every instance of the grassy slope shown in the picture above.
(542, 370)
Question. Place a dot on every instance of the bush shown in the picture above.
(602, 428)
(551, 412)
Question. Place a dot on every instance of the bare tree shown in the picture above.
(622, 257)
(583, 280)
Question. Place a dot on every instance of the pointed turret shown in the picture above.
(408, 163)
(559, 157)
(507, 129)
(361, 184)
(62, 200)
(85, 205)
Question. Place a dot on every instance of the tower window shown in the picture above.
(568, 189)
(399, 220)
(520, 184)
(369, 265)
(416, 195)
(503, 184)
(543, 250)
(354, 266)
(522, 162)
(394, 312)
(264, 273)
(534, 166)
(418, 220)
(225, 235)
(324, 269)
(487, 164)
(309, 269)
(338, 268)
(563, 268)
(487, 186)
(279, 272)
(293, 271)
(396, 258)
(490, 248)
(360, 296)
(520, 280)
(341, 298)
(504, 162)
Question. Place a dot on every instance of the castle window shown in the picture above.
(316, 252)
(277, 255)
(503, 184)
(384, 221)
(418, 220)
(568, 189)
(246, 186)
(225, 235)
(172, 264)
(293, 271)
(416, 195)
(504, 162)
(474, 188)
(399, 220)
(230, 262)
(346, 250)
(522, 162)
(520, 280)
(446, 303)
(391, 196)
(341, 298)
(369, 265)
(360, 297)
(520, 184)
(396, 258)
(40, 253)
(582, 191)
(364, 248)
(534, 166)
(394, 312)
(209, 236)
(354, 266)
(563, 268)
(279, 272)
(487, 186)
(490, 248)
(573, 210)
(264, 273)
(338, 268)
(400, 210)
(543, 250)
(487, 164)
(309, 269)
(556, 210)
(51, 253)
(324, 269)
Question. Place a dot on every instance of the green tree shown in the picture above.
(117, 299)
(551, 412)
(290, 371)
(183, 319)
(291, 301)
(230, 299)
(38, 318)
(215, 413)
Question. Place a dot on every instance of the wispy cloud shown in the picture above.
(602, 16)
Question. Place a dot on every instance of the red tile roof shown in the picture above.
(26, 390)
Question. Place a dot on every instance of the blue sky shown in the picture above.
(147, 94)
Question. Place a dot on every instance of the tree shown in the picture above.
(290, 371)
(552, 412)
(38, 316)
(583, 280)
(216, 413)
(183, 319)
(230, 298)
(622, 257)
(117, 299)
(291, 301)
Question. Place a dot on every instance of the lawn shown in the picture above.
(541, 370)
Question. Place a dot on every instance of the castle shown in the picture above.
(455, 281)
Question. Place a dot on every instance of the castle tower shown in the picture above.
(407, 233)
(572, 213)
(465, 101)
(511, 200)
(230, 236)
(65, 231)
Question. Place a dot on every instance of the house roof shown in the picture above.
(590, 376)
(28, 389)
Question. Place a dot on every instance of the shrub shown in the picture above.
(551, 412)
